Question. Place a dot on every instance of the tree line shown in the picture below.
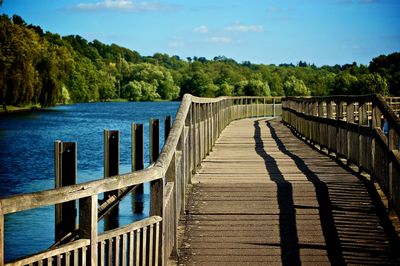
(44, 68)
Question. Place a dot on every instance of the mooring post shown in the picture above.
(137, 147)
(65, 158)
(111, 156)
(111, 168)
(137, 164)
(167, 127)
(154, 139)
(1, 236)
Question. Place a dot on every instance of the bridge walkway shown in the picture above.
(265, 197)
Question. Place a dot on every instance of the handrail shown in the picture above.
(197, 125)
(364, 130)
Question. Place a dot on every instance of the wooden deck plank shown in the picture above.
(264, 197)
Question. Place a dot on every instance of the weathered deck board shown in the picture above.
(264, 197)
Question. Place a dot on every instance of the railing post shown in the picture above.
(321, 112)
(154, 139)
(65, 158)
(212, 125)
(393, 144)
(350, 112)
(376, 116)
(88, 225)
(362, 117)
(362, 150)
(203, 131)
(375, 123)
(329, 111)
(188, 147)
(157, 209)
(171, 176)
(182, 144)
(199, 135)
(273, 107)
(194, 147)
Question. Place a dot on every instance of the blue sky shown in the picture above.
(269, 31)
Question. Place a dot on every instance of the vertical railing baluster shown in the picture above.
(88, 225)
(188, 124)
(393, 144)
(157, 209)
(194, 143)
(375, 123)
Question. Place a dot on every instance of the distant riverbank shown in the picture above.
(10, 109)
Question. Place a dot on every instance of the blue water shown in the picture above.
(27, 159)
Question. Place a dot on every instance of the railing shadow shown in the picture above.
(290, 251)
(287, 226)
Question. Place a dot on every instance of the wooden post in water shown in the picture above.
(111, 168)
(137, 164)
(154, 139)
(65, 158)
(167, 127)
(111, 155)
(137, 153)
(1, 235)
(137, 147)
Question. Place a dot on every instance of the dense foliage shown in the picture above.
(38, 67)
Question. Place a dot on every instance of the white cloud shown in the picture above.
(275, 9)
(201, 29)
(245, 28)
(175, 44)
(121, 5)
(220, 39)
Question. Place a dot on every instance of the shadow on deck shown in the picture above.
(284, 204)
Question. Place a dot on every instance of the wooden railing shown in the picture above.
(198, 124)
(394, 103)
(364, 130)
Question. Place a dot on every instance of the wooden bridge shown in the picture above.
(235, 184)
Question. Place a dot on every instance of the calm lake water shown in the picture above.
(27, 160)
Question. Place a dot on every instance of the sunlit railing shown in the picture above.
(198, 124)
(362, 129)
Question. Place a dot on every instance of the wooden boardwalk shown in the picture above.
(264, 197)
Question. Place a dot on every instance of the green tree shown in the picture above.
(344, 83)
(295, 87)
(371, 83)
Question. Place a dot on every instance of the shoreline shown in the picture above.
(14, 109)
(10, 109)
